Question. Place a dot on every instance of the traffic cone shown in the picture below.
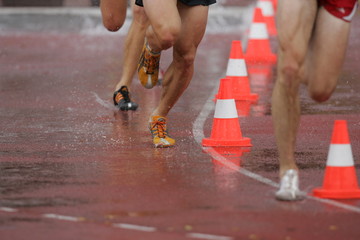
(268, 12)
(275, 4)
(258, 48)
(237, 72)
(243, 108)
(226, 127)
(340, 180)
(265, 70)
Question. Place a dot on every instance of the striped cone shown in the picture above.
(243, 108)
(226, 127)
(258, 49)
(340, 180)
(275, 4)
(268, 12)
(236, 70)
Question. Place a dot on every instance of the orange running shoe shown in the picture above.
(148, 67)
(159, 132)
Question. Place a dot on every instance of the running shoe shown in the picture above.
(159, 132)
(122, 100)
(148, 67)
(289, 187)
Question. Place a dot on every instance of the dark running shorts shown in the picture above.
(186, 2)
(343, 9)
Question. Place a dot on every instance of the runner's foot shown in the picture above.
(289, 187)
(122, 100)
(159, 132)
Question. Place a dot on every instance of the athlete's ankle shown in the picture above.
(283, 169)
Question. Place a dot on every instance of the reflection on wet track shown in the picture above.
(71, 165)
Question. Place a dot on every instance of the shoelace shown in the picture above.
(151, 63)
(125, 93)
(159, 128)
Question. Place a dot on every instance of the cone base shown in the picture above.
(243, 142)
(261, 59)
(337, 194)
(251, 97)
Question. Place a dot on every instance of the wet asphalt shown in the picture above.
(74, 167)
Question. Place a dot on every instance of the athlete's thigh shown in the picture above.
(114, 6)
(139, 14)
(162, 14)
(328, 48)
(114, 11)
(295, 21)
(194, 20)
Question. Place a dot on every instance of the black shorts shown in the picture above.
(186, 2)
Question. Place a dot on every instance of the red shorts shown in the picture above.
(343, 9)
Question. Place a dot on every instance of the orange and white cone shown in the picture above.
(340, 180)
(268, 12)
(258, 49)
(226, 127)
(236, 70)
(275, 4)
(243, 108)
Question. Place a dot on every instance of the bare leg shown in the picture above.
(133, 46)
(320, 71)
(165, 23)
(306, 37)
(295, 24)
(180, 72)
(113, 13)
(326, 55)
(180, 26)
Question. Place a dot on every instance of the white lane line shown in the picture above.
(198, 126)
(62, 217)
(106, 104)
(198, 133)
(224, 161)
(134, 227)
(7, 209)
(215, 155)
(207, 236)
(335, 203)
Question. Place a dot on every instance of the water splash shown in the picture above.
(102, 102)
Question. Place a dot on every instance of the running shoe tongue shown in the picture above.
(158, 119)
(124, 91)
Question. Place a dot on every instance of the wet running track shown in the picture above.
(73, 167)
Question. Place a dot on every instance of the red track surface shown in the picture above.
(73, 167)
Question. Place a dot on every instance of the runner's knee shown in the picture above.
(185, 55)
(188, 59)
(290, 71)
(167, 36)
(321, 93)
(112, 22)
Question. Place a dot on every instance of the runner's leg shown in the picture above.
(180, 72)
(327, 53)
(113, 13)
(295, 24)
(165, 23)
(133, 46)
